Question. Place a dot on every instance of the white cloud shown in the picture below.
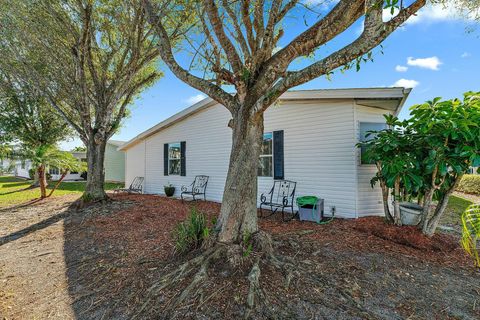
(434, 13)
(194, 99)
(400, 68)
(466, 55)
(406, 83)
(431, 63)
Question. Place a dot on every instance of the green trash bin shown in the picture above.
(310, 208)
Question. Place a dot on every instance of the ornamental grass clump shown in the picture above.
(190, 234)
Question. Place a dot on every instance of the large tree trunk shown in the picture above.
(42, 179)
(94, 190)
(238, 214)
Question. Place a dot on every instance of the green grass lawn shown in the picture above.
(453, 212)
(12, 190)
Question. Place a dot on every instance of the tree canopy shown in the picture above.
(88, 59)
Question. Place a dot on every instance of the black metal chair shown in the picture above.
(281, 196)
(135, 187)
(197, 188)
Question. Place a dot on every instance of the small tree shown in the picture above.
(28, 120)
(47, 156)
(391, 151)
(427, 155)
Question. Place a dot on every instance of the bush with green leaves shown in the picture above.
(425, 157)
(191, 233)
(471, 232)
(470, 183)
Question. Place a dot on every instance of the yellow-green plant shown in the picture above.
(471, 232)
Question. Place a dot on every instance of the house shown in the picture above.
(114, 165)
(312, 134)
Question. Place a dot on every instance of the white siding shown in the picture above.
(114, 164)
(319, 144)
(135, 163)
(369, 199)
(208, 144)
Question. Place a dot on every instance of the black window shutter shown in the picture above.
(183, 167)
(165, 159)
(278, 172)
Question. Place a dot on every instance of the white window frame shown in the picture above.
(179, 159)
(267, 156)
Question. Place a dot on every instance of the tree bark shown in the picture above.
(42, 179)
(64, 173)
(385, 194)
(238, 214)
(431, 223)
(396, 203)
(94, 189)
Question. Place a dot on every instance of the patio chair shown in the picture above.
(197, 188)
(280, 197)
(135, 187)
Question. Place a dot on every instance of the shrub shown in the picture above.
(191, 233)
(470, 183)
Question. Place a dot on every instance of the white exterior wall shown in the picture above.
(369, 199)
(319, 151)
(114, 164)
(135, 163)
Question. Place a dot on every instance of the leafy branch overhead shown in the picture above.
(242, 44)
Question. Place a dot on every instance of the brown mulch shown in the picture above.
(100, 262)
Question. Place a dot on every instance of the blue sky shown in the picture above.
(434, 53)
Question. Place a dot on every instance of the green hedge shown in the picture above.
(470, 184)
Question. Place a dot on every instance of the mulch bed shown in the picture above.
(113, 253)
(155, 217)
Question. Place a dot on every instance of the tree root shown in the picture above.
(189, 286)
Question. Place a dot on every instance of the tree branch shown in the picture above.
(164, 46)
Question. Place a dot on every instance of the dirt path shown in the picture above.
(99, 263)
(32, 269)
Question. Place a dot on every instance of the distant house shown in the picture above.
(310, 137)
(114, 165)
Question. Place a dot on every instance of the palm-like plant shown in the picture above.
(47, 156)
(471, 232)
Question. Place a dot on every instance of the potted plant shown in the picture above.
(410, 213)
(169, 190)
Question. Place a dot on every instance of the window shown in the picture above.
(174, 158)
(265, 165)
(53, 170)
(365, 127)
